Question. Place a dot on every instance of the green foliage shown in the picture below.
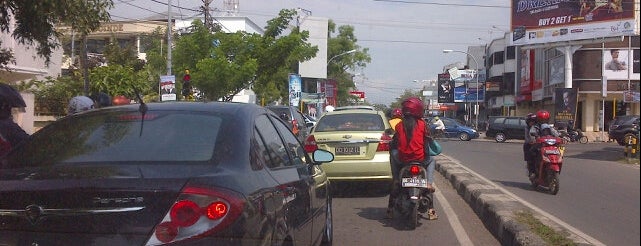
(116, 79)
(339, 43)
(35, 20)
(52, 95)
(126, 56)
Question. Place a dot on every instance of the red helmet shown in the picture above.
(543, 116)
(397, 113)
(413, 106)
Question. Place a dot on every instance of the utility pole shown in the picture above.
(205, 8)
(169, 37)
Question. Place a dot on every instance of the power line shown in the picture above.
(445, 4)
(133, 5)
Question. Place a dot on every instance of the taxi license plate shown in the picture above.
(348, 150)
(414, 182)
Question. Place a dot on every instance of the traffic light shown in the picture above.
(186, 92)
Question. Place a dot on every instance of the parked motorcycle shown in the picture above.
(574, 136)
(412, 196)
(550, 163)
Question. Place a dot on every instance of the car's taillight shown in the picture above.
(415, 170)
(383, 145)
(197, 213)
(310, 144)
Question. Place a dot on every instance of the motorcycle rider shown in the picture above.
(11, 134)
(440, 126)
(397, 114)
(78, 104)
(409, 141)
(541, 128)
(528, 155)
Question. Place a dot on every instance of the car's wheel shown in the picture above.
(328, 232)
(500, 137)
(464, 136)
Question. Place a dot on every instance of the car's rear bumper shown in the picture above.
(376, 169)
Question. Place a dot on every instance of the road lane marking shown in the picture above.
(459, 231)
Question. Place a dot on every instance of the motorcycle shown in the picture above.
(574, 136)
(549, 165)
(412, 196)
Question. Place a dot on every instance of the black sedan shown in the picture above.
(165, 173)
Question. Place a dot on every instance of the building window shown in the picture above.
(498, 57)
(511, 53)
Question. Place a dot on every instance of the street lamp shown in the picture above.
(476, 124)
(341, 54)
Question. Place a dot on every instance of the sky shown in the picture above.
(405, 39)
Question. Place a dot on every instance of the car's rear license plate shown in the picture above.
(414, 182)
(347, 150)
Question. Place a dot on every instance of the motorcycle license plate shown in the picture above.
(552, 151)
(414, 182)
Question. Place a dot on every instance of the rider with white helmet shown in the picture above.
(78, 104)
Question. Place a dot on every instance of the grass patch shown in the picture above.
(546, 233)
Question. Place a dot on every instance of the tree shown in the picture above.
(35, 21)
(222, 64)
(344, 41)
(278, 55)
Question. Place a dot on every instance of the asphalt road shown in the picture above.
(599, 193)
(359, 219)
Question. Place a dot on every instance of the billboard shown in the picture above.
(294, 89)
(535, 22)
(618, 64)
(565, 100)
(445, 88)
(467, 88)
(167, 88)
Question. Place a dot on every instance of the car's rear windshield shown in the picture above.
(125, 137)
(350, 122)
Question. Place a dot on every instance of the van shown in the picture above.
(502, 128)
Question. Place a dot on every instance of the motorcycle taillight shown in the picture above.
(415, 170)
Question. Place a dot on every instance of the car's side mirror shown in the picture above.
(321, 156)
(309, 124)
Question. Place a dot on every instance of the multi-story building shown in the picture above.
(521, 81)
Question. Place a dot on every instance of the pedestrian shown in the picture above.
(11, 134)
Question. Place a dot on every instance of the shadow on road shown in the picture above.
(379, 214)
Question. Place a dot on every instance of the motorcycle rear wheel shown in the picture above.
(583, 139)
(554, 183)
(412, 219)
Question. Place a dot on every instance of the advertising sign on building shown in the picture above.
(294, 89)
(168, 88)
(618, 64)
(565, 100)
(467, 88)
(445, 88)
(536, 22)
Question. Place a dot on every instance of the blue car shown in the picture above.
(454, 129)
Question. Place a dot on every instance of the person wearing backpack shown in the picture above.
(11, 134)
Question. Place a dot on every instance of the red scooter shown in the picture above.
(549, 164)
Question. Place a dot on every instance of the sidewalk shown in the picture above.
(496, 209)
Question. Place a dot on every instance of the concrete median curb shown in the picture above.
(496, 209)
